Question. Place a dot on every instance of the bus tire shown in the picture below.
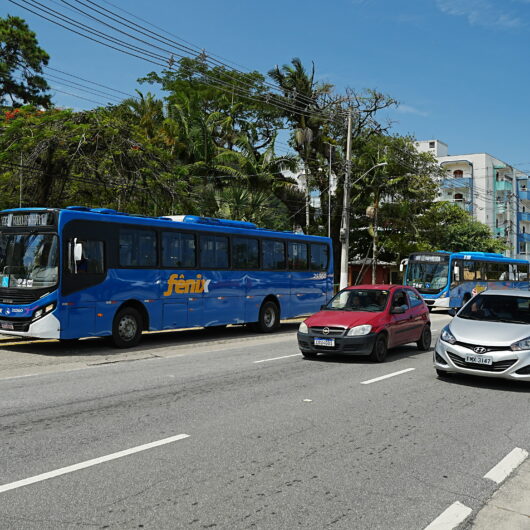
(269, 317)
(127, 328)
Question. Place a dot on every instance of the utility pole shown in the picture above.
(329, 191)
(20, 184)
(345, 223)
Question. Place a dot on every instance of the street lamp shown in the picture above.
(345, 230)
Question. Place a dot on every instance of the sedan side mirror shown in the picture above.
(323, 307)
(397, 310)
(452, 312)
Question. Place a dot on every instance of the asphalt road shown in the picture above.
(274, 440)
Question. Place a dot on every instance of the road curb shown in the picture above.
(509, 506)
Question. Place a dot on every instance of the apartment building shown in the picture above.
(493, 191)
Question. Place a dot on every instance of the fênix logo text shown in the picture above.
(178, 284)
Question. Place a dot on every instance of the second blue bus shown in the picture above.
(450, 279)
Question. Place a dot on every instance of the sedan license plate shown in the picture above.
(330, 343)
(479, 359)
(7, 325)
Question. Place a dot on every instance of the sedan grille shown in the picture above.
(499, 366)
(488, 348)
(333, 331)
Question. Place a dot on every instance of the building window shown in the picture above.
(458, 173)
(459, 197)
(432, 145)
(524, 229)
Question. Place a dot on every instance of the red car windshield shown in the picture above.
(372, 300)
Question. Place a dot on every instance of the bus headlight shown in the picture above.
(359, 330)
(43, 311)
(303, 328)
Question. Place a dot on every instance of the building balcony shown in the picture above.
(523, 216)
(524, 195)
(498, 232)
(503, 185)
(458, 182)
(500, 207)
(523, 237)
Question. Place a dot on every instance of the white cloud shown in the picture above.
(408, 109)
(480, 13)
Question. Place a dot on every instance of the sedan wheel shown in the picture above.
(424, 344)
(378, 354)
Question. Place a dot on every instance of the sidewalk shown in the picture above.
(509, 507)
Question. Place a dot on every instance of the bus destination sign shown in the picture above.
(433, 258)
(11, 220)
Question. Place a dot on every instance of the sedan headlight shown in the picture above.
(447, 336)
(359, 330)
(521, 345)
(303, 328)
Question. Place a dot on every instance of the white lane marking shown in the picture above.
(89, 463)
(276, 358)
(387, 376)
(450, 518)
(512, 460)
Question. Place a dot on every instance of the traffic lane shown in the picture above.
(277, 433)
(268, 472)
(29, 357)
(45, 401)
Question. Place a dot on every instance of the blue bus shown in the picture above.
(80, 272)
(450, 279)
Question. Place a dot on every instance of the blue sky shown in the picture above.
(458, 67)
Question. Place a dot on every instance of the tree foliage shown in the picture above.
(208, 147)
(21, 62)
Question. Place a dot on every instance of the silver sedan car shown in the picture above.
(489, 336)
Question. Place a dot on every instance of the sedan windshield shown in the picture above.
(28, 260)
(372, 300)
(498, 308)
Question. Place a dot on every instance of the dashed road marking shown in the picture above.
(276, 358)
(387, 376)
(511, 461)
(456, 514)
(89, 463)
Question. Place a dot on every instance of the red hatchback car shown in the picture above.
(367, 320)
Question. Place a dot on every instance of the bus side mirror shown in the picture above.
(78, 251)
(403, 263)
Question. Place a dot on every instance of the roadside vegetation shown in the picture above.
(218, 142)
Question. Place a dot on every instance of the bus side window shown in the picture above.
(273, 255)
(523, 272)
(319, 257)
(86, 257)
(468, 271)
(298, 256)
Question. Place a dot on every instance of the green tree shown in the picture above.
(446, 226)
(21, 62)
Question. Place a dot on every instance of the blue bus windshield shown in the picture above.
(429, 276)
(28, 261)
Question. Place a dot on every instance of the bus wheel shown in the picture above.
(127, 328)
(269, 317)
